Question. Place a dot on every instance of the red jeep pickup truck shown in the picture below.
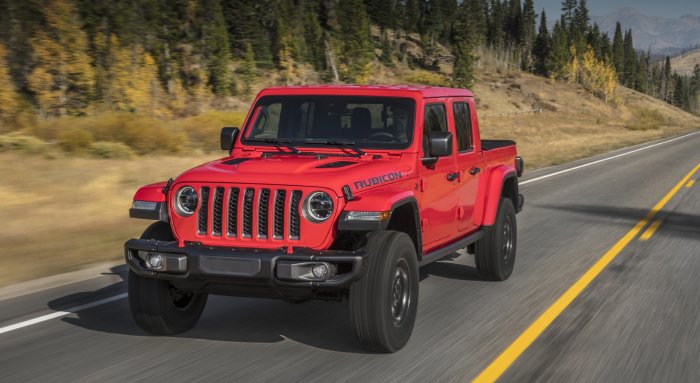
(334, 193)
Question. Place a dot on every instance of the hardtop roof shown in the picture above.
(380, 90)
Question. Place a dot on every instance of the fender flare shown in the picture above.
(392, 203)
(152, 193)
(494, 191)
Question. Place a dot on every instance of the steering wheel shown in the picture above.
(381, 136)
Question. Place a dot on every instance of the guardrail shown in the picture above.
(509, 114)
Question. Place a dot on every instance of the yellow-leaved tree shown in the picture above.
(135, 80)
(8, 94)
(63, 78)
(596, 75)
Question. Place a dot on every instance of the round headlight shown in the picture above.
(186, 201)
(318, 207)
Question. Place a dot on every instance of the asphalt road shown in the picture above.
(638, 321)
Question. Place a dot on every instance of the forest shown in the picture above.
(170, 58)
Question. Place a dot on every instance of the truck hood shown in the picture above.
(333, 172)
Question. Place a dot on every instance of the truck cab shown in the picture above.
(329, 192)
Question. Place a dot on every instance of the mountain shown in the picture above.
(663, 35)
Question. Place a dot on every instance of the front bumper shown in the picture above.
(244, 272)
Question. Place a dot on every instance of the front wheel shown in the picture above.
(157, 306)
(495, 253)
(384, 303)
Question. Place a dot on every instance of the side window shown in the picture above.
(434, 120)
(463, 124)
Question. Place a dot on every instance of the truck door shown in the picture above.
(469, 161)
(438, 183)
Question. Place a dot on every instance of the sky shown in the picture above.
(664, 8)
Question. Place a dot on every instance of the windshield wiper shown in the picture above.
(279, 143)
(349, 144)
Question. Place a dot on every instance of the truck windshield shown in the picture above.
(310, 121)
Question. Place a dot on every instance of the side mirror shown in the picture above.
(439, 145)
(228, 138)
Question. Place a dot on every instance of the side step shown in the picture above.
(450, 248)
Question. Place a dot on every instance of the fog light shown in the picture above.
(155, 261)
(319, 270)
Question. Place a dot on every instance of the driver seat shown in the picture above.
(361, 122)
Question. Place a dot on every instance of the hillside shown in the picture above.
(573, 123)
(686, 62)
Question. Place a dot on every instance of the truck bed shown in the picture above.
(499, 152)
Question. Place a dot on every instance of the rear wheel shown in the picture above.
(157, 306)
(383, 304)
(495, 253)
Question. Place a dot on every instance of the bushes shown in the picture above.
(144, 135)
(123, 135)
(74, 140)
(646, 119)
(203, 130)
(111, 150)
(26, 144)
(424, 77)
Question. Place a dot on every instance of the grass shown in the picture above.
(63, 214)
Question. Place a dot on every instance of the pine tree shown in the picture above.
(568, 10)
(618, 50)
(464, 41)
(353, 39)
(580, 24)
(514, 23)
(314, 40)
(529, 34)
(412, 16)
(630, 66)
(641, 80)
(541, 47)
(63, 79)
(248, 72)
(496, 24)
(252, 22)
(666, 85)
(382, 12)
(214, 43)
(695, 89)
(559, 53)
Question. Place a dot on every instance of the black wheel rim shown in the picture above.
(400, 292)
(507, 239)
(181, 299)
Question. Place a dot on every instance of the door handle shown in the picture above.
(474, 171)
(452, 176)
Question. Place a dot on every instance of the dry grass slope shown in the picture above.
(684, 63)
(573, 124)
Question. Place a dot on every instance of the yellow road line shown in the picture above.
(651, 230)
(499, 365)
(690, 184)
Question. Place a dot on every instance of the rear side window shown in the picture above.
(463, 124)
(434, 120)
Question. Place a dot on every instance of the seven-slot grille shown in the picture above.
(243, 208)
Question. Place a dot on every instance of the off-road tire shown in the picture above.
(495, 253)
(383, 304)
(157, 306)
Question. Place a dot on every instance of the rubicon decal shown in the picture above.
(388, 177)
